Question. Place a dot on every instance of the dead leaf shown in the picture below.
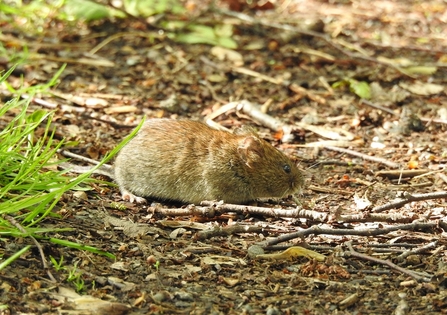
(90, 304)
(220, 260)
(330, 133)
(421, 88)
(228, 54)
(121, 109)
(124, 286)
(293, 252)
(361, 203)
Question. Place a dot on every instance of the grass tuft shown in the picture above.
(30, 182)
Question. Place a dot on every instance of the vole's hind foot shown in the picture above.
(126, 195)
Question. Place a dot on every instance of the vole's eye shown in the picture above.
(286, 168)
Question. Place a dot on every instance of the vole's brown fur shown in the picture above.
(188, 161)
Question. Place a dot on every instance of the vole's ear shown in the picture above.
(250, 150)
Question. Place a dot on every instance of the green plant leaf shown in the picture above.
(224, 30)
(202, 34)
(82, 247)
(13, 257)
(360, 88)
(227, 42)
(146, 8)
(86, 10)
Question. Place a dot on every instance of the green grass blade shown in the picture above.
(82, 247)
(13, 257)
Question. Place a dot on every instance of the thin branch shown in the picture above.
(210, 209)
(377, 106)
(416, 276)
(69, 108)
(79, 157)
(316, 230)
(149, 35)
(398, 174)
(51, 105)
(364, 156)
(407, 198)
(417, 250)
(267, 212)
(228, 230)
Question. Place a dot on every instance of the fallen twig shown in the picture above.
(270, 122)
(442, 177)
(267, 212)
(413, 274)
(228, 230)
(207, 212)
(210, 209)
(79, 157)
(407, 198)
(394, 174)
(51, 105)
(316, 230)
(364, 156)
(69, 108)
(377, 106)
(417, 250)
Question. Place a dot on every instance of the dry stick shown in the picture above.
(395, 174)
(70, 108)
(410, 47)
(213, 92)
(256, 75)
(364, 156)
(442, 176)
(434, 120)
(316, 230)
(78, 157)
(374, 217)
(109, 39)
(387, 245)
(229, 230)
(207, 212)
(42, 255)
(262, 118)
(329, 190)
(332, 162)
(83, 61)
(376, 106)
(215, 209)
(47, 104)
(416, 276)
(255, 113)
(407, 198)
(299, 90)
(267, 212)
(16, 42)
(418, 250)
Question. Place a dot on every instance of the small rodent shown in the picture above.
(187, 161)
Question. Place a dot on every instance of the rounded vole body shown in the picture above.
(188, 161)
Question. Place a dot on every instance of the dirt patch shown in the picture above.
(382, 230)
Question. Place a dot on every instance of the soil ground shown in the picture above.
(378, 259)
